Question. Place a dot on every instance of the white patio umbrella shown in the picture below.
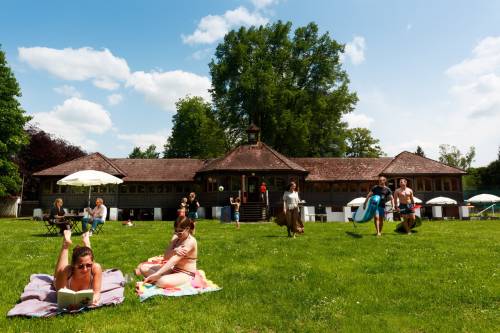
(484, 198)
(441, 201)
(356, 202)
(89, 178)
(417, 200)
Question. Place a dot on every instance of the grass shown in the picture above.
(444, 278)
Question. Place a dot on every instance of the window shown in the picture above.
(123, 188)
(159, 188)
(364, 187)
(47, 187)
(211, 184)
(279, 184)
(340, 187)
(235, 183)
(168, 188)
(141, 188)
(353, 187)
(179, 188)
(151, 189)
(438, 185)
(454, 184)
(132, 188)
(446, 184)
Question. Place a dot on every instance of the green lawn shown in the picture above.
(444, 278)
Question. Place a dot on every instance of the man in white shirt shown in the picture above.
(96, 216)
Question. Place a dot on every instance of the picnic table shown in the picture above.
(74, 221)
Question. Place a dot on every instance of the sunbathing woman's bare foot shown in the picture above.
(86, 239)
(138, 271)
(67, 238)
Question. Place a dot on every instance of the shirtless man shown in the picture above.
(404, 195)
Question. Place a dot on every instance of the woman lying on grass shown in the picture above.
(179, 260)
(83, 273)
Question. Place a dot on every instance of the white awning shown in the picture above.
(356, 202)
(484, 198)
(441, 201)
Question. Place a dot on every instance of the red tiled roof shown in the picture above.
(168, 169)
(337, 168)
(409, 163)
(253, 157)
(95, 161)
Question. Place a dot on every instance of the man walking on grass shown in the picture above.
(385, 195)
(406, 205)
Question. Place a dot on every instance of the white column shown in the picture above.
(463, 212)
(216, 211)
(330, 214)
(307, 214)
(113, 214)
(201, 212)
(437, 212)
(347, 213)
(37, 213)
(418, 212)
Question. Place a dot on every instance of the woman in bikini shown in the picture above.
(179, 259)
(83, 273)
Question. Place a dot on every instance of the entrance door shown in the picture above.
(253, 189)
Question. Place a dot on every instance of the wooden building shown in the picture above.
(161, 183)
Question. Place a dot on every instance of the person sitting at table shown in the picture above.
(56, 216)
(96, 216)
(179, 260)
(83, 272)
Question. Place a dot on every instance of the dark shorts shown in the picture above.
(193, 215)
(406, 209)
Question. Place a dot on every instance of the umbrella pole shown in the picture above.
(88, 202)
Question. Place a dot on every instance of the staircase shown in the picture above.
(253, 212)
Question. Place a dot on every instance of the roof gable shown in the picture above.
(410, 163)
(95, 161)
(253, 157)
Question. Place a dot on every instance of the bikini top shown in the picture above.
(90, 282)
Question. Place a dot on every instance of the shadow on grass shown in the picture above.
(47, 235)
(353, 234)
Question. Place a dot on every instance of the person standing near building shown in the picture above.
(263, 190)
(236, 204)
(291, 209)
(406, 205)
(385, 195)
(193, 206)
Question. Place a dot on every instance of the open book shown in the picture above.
(67, 298)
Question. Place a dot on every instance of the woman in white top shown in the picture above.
(291, 209)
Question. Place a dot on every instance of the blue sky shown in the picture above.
(106, 74)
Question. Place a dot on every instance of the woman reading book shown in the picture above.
(179, 260)
(83, 273)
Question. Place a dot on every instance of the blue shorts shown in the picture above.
(237, 216)
(193, 215)
(380, 211)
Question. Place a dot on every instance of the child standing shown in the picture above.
(181, 212)
(236, 204)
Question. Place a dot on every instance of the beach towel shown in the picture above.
(39, 298)
(198, 285)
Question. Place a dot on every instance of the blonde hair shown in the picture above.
(58, 200)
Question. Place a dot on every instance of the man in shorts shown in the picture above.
(385, 194)
(406, 205)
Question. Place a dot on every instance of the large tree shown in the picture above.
(195, 133)
(290, 85)
(149, 152)
(360, 143)
(452, 156)
(420, 151)
(12, 135)
(43, 151)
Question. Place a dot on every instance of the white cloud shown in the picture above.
(105, 69)
(355, 50)
(74, 121)
(476, 80)
(114, 99)
(356, 119)
(144, 140)
(68, 91)
(165, 88)
(213, 27)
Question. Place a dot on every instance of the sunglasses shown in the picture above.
(82, 266)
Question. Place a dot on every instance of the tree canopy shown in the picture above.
(43, 151)
(195, 133)
(291, 86)
(420, 151)
(452, 156)
(360, 143)
(12, 135)
(149, 152)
